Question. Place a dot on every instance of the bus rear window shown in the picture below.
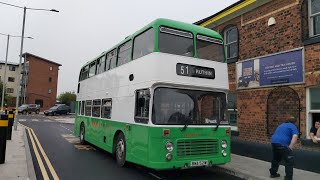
(210, 48)
(177, 42)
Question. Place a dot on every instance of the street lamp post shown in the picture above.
(21, 49)
(5, 67)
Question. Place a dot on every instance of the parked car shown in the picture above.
(57, 109)
(29, 108)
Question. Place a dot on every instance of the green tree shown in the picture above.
(67, 97)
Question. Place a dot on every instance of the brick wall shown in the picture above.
(256, 39)
(38, 81)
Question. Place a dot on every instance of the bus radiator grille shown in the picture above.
(197, 147)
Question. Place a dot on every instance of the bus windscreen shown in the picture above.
(182, 106)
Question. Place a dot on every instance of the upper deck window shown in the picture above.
(210, 48)
(111, 59)
(101, 65)
(174, 41)
(84, 73)
(124, 53)
(143, 44)
(92, 69)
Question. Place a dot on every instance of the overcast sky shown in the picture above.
(83, 29)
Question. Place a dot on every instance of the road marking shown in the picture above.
(35, 120)
(66, 128)
(47, 120)
(84, 147)
(52, 171)
(155, 175)
(76, 141)
(22, 120)
(40, 162)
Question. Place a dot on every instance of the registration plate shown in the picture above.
(198, 163)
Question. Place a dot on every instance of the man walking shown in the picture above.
(283, 139)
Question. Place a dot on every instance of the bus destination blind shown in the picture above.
(195, 71)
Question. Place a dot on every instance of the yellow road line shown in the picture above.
(52, 171)
(36, 152)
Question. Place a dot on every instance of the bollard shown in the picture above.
(10, 124)
(3, 137)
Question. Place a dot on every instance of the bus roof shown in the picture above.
(165, 22)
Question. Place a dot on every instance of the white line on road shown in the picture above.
(66, 128)
(35, 120)
(155, 175)
(22, 120)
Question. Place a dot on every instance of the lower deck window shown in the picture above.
(96, 108)
(88, 108)
(106, 108)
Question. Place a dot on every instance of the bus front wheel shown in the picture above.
(121, 150)
(82, 133)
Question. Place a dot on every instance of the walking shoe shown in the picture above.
(274, 175)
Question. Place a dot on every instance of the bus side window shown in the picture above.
(143, 44)
(88, 108)
(112, 57)
(124, 53)
(106, 108)
(96, 108)
(79, 108)
(92, 69)
(82, 108)
(142, 106)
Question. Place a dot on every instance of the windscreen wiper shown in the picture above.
(185, 125)
(218, 123)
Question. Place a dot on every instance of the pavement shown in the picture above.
(250, 168)
(18, 163)
(19, 166)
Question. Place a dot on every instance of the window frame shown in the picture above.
(12, 79)
(227, 44)
(310, 20)
(101, 59)
(92, 64)
(114, 59)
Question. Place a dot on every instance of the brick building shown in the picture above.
(273, 53)
(39, 81)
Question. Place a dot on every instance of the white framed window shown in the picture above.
(49, 91)
(313, 107)
(231, 43)
(50, 68)
(314, 17)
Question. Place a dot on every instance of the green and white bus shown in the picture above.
(158, 98)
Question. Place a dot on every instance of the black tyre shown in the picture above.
(37, 111)
(121, 150)
(82, 134)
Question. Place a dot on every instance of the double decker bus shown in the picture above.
(158, 98)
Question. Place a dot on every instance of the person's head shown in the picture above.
(291, 118)
(317, 124)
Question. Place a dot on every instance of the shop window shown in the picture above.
(231, 44)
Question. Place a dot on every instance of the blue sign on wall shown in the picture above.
(271, 70)
(281, 68)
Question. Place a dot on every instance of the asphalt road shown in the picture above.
(70, 160)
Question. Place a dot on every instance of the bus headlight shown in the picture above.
(169, 156)
(224, 153)
(169, 146)
(224, 144)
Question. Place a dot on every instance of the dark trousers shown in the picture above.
(281, 152)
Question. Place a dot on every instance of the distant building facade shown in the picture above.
(273, 54)
(39, 81)
(11, 80)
